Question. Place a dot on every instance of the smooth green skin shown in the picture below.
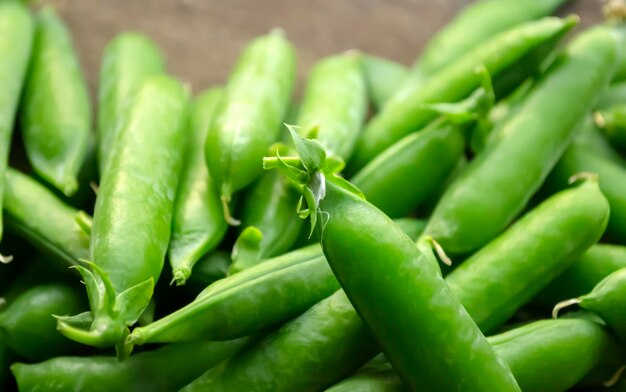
(296, 356)
(198, 224)
(591, 137)
(128, 60)
(335, 101)
(56, 116)
(166, 369)
(405, 175)
(614, 95)
(383, 78)
(612, 179)
(405, 111)
(385, 275)
(544, 356)
(248, 119)
(595, 264)
(38, 215)
(27, 324)
(607, 301)
(612, 121)
(16, 36)
(529, 255)
(495, 187)
(475, 24)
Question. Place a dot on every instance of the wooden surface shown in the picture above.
(201, 38)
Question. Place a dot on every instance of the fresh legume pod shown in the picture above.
(405, 175)
(56, 115)
(28, 325)
(165, 369)
(383, 77)
(545, 356)
(129, 59)
(612, 178)
(539, 246)
(475, 24)
(612, 121)
(496, 185)
(38, 215)
(591, 138)
(133, 214)
(295, 357)
(595, 264)
(16, 36)
(406, 112)
(198, 222)
(247, 121)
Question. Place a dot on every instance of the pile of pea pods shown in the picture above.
(456, 226)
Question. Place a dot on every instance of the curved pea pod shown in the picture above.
(16, 37)
(28, 325)
(133, 214)
(529, 255)
(56, 115)
(38, 215)
(407, 111)
(475, 24)
(304, 353)
(335, 102)
(496, 186)
(247, 121)
(405, 175)
(198, 225)
(166, 369)
(129, 59)
(612, 122)
(591, 138)
(588, 270)
(383, 78)
(612, 178)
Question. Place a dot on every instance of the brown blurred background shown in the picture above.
(201, 38)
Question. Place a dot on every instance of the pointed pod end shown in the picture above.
(226, 207)
(181, 274)
(584, 177)
(562, 305)
(5, 259)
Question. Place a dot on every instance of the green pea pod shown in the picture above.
(16, 36)
(591, 138)
(28, 326)
(407, 111)
(385, 275)
(302, 364)
(544, 356)
(56, 115)
(531, 253)
(129, 59)
(612, 122)
(405, 175)
(38, 215)
(384, 77)
(247, 121)
(587, 271)
(133, 214)
(496, 186)
(198, 225)
(166, 369)
(612, 178)
(475, 24)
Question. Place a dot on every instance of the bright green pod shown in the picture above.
(296, 356)
(383, 78)
(198, 223)
(591, 137)
(56, 116)
(612, 178)
(530, 254)
(163, 370)
(28, 325)
(412, 170)
(475, 24)
(128, 60)
(612, 122)
(407, 111)
(247, 121)
(16, 38)
(38, 215)
(133, 215)
(499, 182)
